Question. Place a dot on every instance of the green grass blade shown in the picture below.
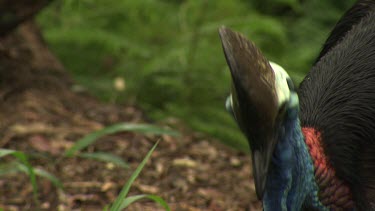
(28, 168)
(131, 199)
(42, 173)
(16, 166)
(106, 207)
(121, 127)
(105, 157)
(5, 152)
(30, 171)
(125, 190)
(52, 178)
(9, 168)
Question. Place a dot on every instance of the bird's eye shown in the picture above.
(290, 84)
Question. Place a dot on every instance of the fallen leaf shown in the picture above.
(107, 186)
(235, 161)
(184, 162)
(147, 188)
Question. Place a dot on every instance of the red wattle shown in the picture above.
(333, 192)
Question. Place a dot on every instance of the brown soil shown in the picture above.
(41, 115)
(190, 172)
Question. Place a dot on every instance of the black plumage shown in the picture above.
(337, 98)
(351, 18)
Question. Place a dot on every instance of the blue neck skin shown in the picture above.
(290, 180)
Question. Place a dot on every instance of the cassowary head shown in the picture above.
(261, 94)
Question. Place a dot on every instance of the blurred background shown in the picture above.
(143, 71)
(165, 55)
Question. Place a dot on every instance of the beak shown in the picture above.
(253, 101)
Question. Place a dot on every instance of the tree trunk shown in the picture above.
(14, 12)
(28, 70)
(35, 89)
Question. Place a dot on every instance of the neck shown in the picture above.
(290, 181)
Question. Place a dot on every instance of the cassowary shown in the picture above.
(312, 149)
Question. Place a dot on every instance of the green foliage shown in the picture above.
(119, 127)
(131, 199)
(169, 53)
(23, 165)
(29, 169)
(122, 201)
(41, 173)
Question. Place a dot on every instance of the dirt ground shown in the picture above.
(191, 172)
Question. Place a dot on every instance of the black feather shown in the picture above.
(337, 98)
(351, 18)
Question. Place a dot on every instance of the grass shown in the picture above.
(22, 164)
(120, 127)
(123, 201)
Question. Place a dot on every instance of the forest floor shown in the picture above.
(191, 172)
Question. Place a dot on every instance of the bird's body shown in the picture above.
(318, 154)
(337, 107)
